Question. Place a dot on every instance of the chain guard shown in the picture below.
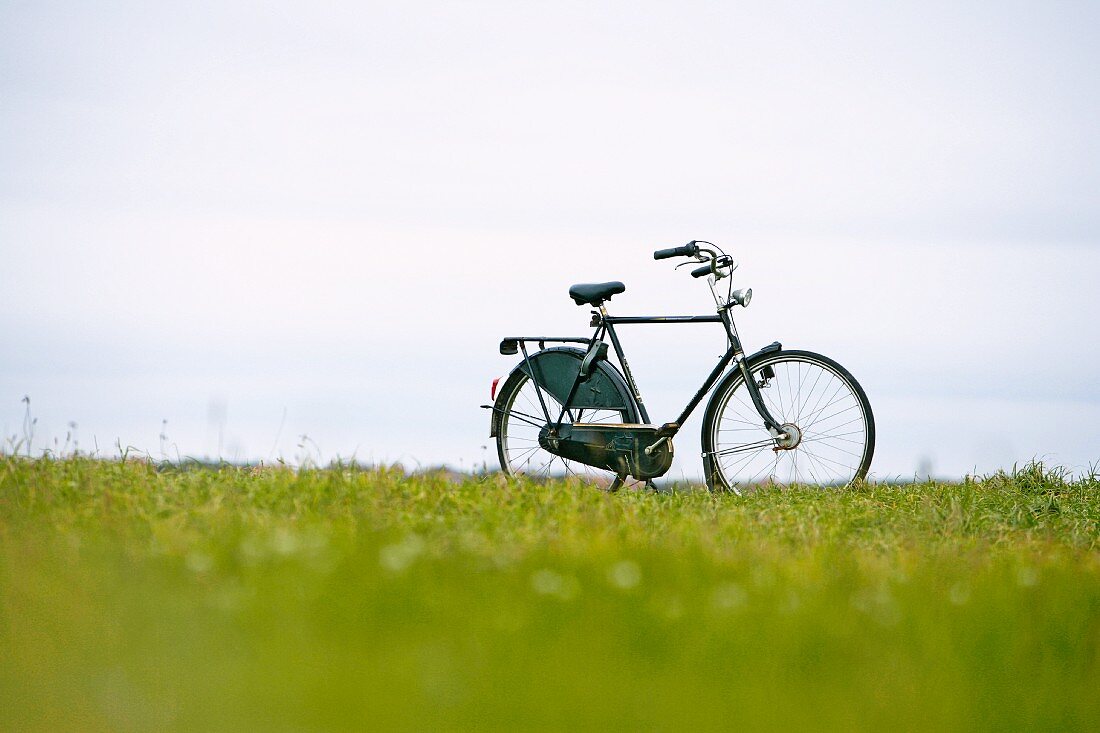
(617, 448)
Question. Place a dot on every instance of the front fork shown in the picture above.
(770, 422)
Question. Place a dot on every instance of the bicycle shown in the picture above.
(777, 417)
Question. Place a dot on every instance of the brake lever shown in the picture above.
(727, 262)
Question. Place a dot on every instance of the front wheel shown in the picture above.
(825, 415)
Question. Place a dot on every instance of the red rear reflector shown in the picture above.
(493, 391)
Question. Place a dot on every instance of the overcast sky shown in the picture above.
(263, 221)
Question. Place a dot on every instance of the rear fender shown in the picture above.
(555, 369)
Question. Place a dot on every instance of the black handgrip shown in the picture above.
(688, 250)
(701, 271)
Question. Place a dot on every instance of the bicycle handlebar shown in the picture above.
(688, 250)
(701, 271)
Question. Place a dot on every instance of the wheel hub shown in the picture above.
(789, 438)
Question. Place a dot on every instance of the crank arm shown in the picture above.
(649, 450)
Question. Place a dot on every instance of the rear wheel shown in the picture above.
(824, 412)
(520, 418)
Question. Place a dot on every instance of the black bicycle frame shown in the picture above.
(605, 323)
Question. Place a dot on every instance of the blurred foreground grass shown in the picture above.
(273, 600)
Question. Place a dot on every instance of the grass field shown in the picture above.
(275, 600)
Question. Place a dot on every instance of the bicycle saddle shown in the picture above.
(595, 293)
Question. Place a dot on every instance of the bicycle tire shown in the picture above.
(736, 443)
